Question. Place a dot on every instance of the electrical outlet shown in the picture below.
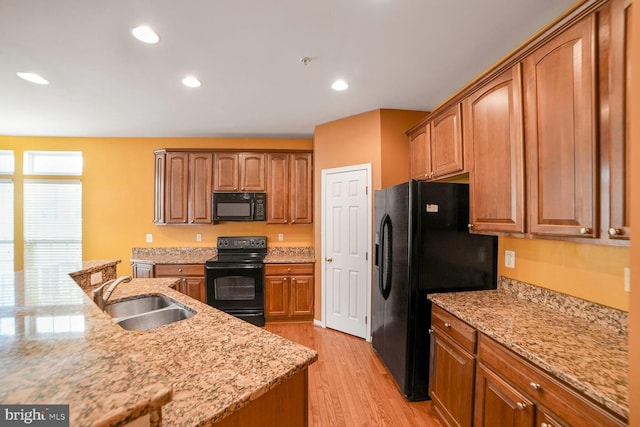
(510, 259)
(198, 237)
(627, 279)
(280, 237)
(149, 238)
(96, 278)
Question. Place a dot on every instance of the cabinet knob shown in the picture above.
(534, 386)
(447, 325)
(293, 221)
(285, 221)
(615, 232)
(235, 188)
(328, 259)
(242, 189)
(179, 270)
(521, 406)
(545, 425)
(430, 331)
(470, 226)
(289, 269)
(585, 230)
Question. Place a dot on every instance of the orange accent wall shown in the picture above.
(118, 186)
(376, 137)
(634, 138)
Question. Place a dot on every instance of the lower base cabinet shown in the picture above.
(192, 281)
(288, 292)
(494, 387)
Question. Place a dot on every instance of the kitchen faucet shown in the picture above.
(100, 296)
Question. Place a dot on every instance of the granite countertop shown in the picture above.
(205, 367)
(275, 255)
(590, 357)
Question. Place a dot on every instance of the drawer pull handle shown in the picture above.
(545, 425)
(180, 270)
(447, 325)
(521, 406)
(534, 386)
(585, 230)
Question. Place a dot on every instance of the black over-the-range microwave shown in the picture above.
(239, 206)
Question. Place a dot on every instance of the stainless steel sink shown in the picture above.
(143, 304)
(154, 319)
(146, 312)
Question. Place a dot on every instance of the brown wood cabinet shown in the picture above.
(437, 146)
(183, 183)
(289, 188)
(239, 172)
(289, 291)
(454, 362)
(532, 391)
(493, 137)
(561, 123)
(192, 279)
(615, 96)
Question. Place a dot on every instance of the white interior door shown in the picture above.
(346, 236)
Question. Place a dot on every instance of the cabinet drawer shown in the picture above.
(566, 403)
(178, 270)
(287, 269)
(455, 328)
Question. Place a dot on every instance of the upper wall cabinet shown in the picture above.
(561, 123)
(436, 147)
(493, 138)
(615, 98)
(183, 183)
(289, 188)
(239, 172)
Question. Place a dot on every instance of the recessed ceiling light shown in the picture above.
(339, 85)
(191, 81)
(145, 34)
(33, 78)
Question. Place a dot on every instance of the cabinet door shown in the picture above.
(493, 137)
(143, 270)
(278, 188)
(499, 404)
(302, 296)
(276, 302)
(200, 187)
(618, 153)
(301, 189)
(560, 118)
(420, 153)
(452, 365)
(194, 287)
(226, 172)
(177, 188)
(252, 172)
(159, 189)
(446, 143)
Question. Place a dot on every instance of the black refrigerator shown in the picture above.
(422, 245)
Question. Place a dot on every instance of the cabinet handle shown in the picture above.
(430, 331)
(285, 221)
(545, 425)
(293, 221)
(470, 226)
(179, 270)
(585, 230)
(447, 325)
(521, 406)
(534, 386)
(242, 189)
(615, 232)
(289, 269)
(328, 259)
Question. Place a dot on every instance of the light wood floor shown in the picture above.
(349, 386)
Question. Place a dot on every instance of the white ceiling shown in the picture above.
(404, 54)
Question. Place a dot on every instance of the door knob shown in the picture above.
(328, 259)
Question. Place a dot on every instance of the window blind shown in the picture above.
(52, 233)
(6, 226)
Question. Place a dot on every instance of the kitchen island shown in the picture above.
(58, 347)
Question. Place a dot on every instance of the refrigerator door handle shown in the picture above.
(386, 256)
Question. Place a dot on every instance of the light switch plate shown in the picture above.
(198, 237)
(510, 259)
(627, 279)
(149, 238)
(280, 237)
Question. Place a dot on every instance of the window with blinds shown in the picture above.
(6, 226)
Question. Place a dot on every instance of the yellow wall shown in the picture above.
(376, 137)
(591, 272)
(634, 138)
(118, 185)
